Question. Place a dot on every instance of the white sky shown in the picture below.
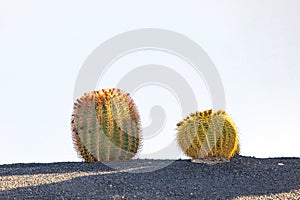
(254, 44)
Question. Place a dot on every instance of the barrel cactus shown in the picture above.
(106, 126)
(208, 134)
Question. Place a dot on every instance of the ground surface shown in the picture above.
(241, 178)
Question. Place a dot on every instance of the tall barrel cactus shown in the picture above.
(208, 134)
(106, 126)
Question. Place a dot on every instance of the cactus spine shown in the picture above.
(208, 134)
(106, 126)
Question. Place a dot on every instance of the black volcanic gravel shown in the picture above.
(241, 178)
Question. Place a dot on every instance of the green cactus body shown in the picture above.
(106, 126)
(208, 134)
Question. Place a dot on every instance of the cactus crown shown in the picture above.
(106, 126)
(208, 134)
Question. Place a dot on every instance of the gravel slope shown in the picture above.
(241, 178)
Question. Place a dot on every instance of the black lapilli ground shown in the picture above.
(181, 179)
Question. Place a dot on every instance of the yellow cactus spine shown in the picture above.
(106, 126)
(208, 134)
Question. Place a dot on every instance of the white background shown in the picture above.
(254, 44)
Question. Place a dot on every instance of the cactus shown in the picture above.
(106, 126)
(208, 134)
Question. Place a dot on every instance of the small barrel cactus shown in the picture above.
(208, 134)
(106, 126)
